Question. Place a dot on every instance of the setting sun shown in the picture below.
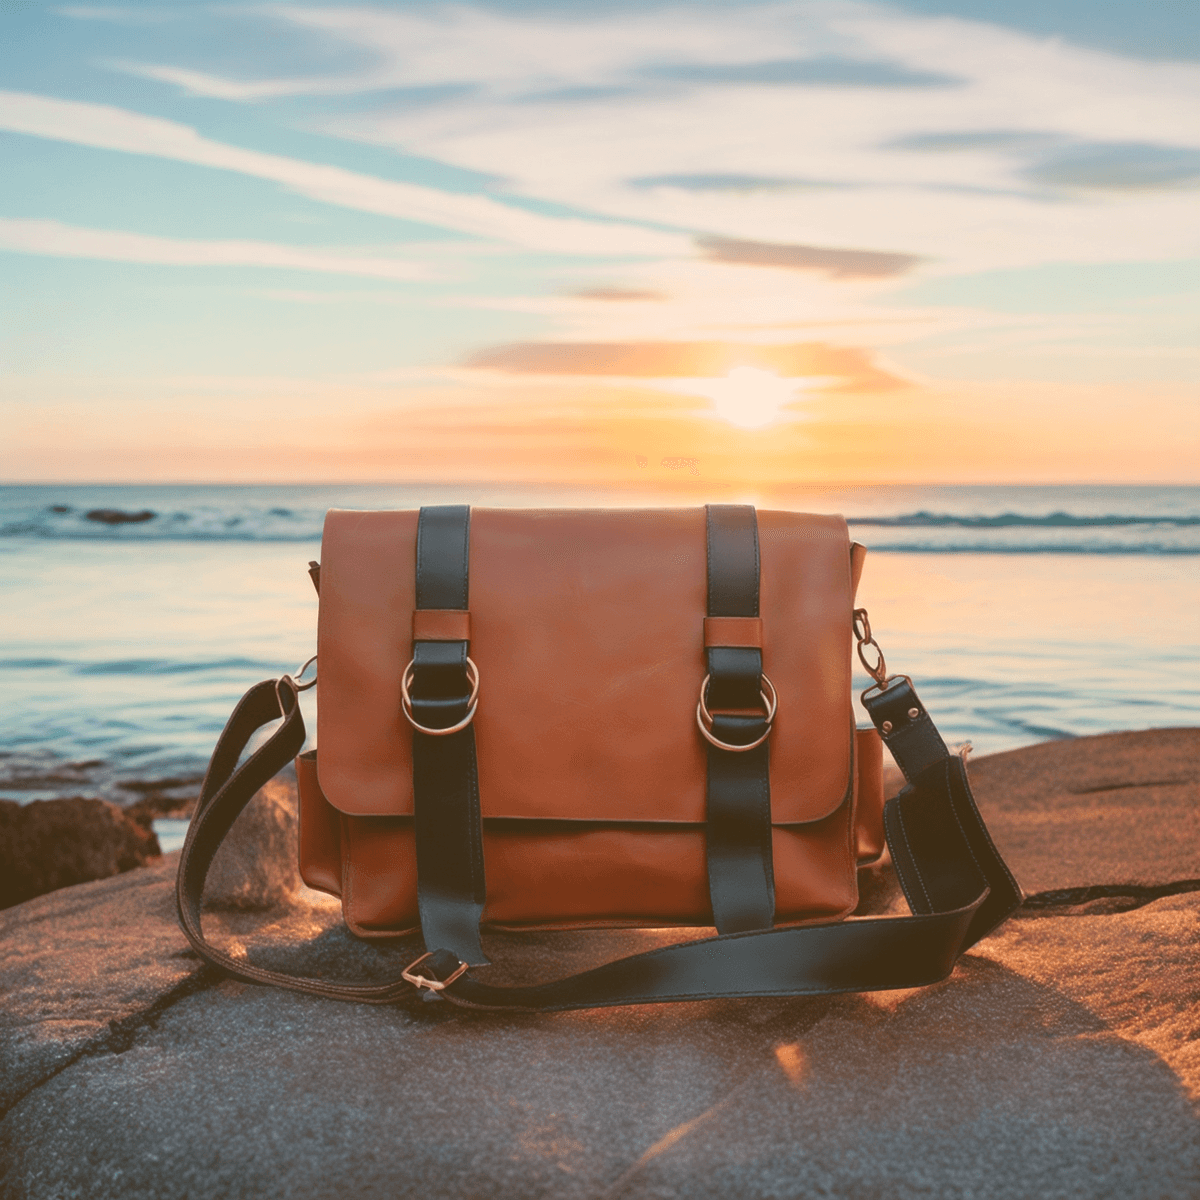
(751, 397)
(748, 397)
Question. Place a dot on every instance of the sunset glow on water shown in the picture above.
(1022, 614)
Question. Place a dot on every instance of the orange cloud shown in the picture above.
(850, 366)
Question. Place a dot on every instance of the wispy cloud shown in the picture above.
(953, 141)
(741, 122)
(1052, 160)
(522, 54)
(774, 122)
(838, 264)
(125, 16)
(826, 71)
(200, 83)
(54, 239)
(110, 128)
(1117, 166)
(727, 181)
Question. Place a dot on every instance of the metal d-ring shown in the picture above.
(303, 687)
(406, 682)
(704, 718)
(296, 687)
(866, 641)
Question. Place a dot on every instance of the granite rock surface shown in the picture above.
(255, 868)
(1061, 1059)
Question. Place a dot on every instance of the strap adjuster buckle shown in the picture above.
(423, 981)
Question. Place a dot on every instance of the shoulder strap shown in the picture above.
(953, 877)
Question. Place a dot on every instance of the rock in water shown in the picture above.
(51, 844)
(117, 516)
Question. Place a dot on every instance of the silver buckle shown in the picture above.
(423, 981)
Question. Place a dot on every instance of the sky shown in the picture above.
(700, 244)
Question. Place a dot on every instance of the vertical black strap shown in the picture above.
(741, 877)
(446, 823)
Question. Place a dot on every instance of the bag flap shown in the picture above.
(587, 629)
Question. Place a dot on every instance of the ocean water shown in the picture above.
(1021, 613)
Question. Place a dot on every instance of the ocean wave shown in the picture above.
(141, 666)
(1146, 548)
(207, 523)
(166, 666)
(1011, 520)
(1072, 526)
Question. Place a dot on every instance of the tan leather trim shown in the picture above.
(320, 850)
(733, 631)
(586, 627)
(441, 625)
(868, 808)
(858, 558)
(379, 875)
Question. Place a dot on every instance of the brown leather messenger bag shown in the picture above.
(568, 719)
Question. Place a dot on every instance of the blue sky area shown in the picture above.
(225, 213)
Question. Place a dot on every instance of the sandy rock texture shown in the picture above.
(1122, 808)
(255, 868)
(1062, 1059)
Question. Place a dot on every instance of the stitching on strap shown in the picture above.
(983, 830)
(958, 822)
(466, 558)
(708, 582)
(757, 565)
(768, 857)
(476, 830)
(420, 531)
(911, 855)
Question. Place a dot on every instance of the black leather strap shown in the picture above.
(906, 727)
(446, 823)
(226, 790)
(934, 863)
(955, 880)
(741, 878)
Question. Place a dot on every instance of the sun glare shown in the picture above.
(748, 397)
(751, 397)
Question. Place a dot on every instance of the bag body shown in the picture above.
(556, 719)
(588, 631)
